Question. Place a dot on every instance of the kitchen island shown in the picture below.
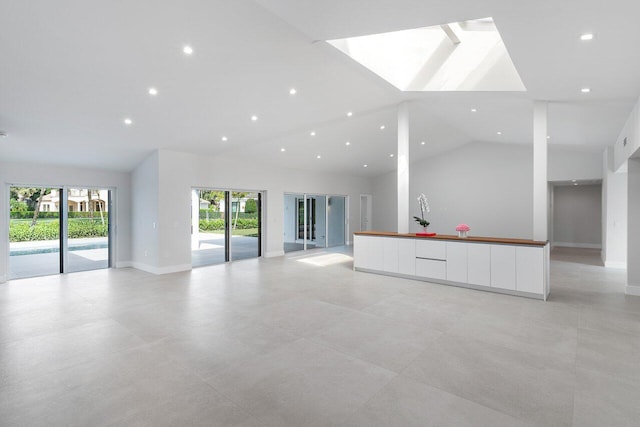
(508, 266)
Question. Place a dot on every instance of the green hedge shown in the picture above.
(218, 224)
(21, 231)
(55, 215)
(206, 213)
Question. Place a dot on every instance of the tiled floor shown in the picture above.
(306, 341)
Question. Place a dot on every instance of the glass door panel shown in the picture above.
(87, 229)
(245, 225)
(294, 222)
(208, 242)
(336, 220)
(317, 224)
(34, 232)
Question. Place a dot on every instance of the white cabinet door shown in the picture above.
(478, 264)
(368, 252)
(407, 257)
(390, 249)
(530, 269)
(431, 268)
(457, 262)
(503, 267)
(431, 249)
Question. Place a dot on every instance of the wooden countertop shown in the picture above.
(476, 239)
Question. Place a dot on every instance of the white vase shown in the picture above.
(425, 230)
(463, 234)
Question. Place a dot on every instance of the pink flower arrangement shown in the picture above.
(463, 227)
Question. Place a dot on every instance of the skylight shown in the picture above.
(459, 56)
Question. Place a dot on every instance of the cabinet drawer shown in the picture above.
(431, 249)
(431, 268)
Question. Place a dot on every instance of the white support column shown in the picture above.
(540, 187)
(403, 168)
(633, 227)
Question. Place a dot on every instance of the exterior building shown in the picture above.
(78, 201)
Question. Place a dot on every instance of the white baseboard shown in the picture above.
(273, 254)
(161, 270)
(633, 290)
(616, 264)
(124, 264)
(577, 245)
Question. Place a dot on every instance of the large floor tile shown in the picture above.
(378, 340)
(510, 381)
(301, 383)
(601, 400)
(404, 402)
(43, 354)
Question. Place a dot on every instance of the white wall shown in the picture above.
(487, 186)
(21, 174)
(628, 141)
(289, 219)
(384, 213)
(577, 216)
(179, 172)
(566, 164)
(614, 213)
(144, 214)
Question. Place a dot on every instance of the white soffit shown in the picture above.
(459, 56)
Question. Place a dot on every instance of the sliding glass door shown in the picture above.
(57, 230)
(34, 232)
(225, 226)
(87, 228)
(311, 222)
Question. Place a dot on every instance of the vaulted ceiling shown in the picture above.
(72, 71)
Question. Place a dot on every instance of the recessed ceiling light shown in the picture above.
(391, 155)
(350, 113)
(312, 133)
(292, 91)
(254, 118)
(318, 156)
(573, 180)
(282, 150)
(153, 91)
(585, 90)
(575, 183)
(473, 110)
(225, 139)
(347, 143)
(127, 121)
(382, 127)
(188, 50)
(422, 143)
(499, 133)
(586, 36)
(548, 137)
(364, 166)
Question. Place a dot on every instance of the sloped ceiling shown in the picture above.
(73, 70)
